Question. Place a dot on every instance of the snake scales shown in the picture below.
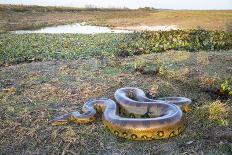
(147, 119)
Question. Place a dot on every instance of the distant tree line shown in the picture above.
(35, 8)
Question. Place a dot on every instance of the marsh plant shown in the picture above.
(226, 87)
(42, 47)
(190, 40)
(219, 112)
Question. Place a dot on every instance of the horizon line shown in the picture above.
(112, 7)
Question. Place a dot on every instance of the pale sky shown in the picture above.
(164, 4)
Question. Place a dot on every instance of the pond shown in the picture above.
(80, 28)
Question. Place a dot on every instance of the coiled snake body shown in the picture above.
(148, 119)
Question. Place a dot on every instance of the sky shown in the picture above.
(164, 4)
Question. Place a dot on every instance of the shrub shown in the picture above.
(219, 112)
(226, 87)
(191, 40)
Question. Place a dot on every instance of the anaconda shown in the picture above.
(148, 118)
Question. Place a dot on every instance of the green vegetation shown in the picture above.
(46, 75)
(219, 112)
(35, 8)
(33, 93)
(193, 40)
(42, 47)
(226, 87)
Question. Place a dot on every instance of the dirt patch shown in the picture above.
(220, 134)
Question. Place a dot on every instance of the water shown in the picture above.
(80, 28)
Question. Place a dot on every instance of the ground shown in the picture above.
(47, 75)
(18, 17)
(33, 93)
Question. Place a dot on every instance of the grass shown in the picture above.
(191, 40)
(42, 47)
(218, 111)
(21, 17)
(33, 93)
(34, 47)
(44, 75)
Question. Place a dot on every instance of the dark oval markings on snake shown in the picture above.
(116, 132)
(172, 134)
(107, 127)
(124, 134)
(144, 137)
(110, 120)
(92, 119)
(123, 111)
(132, 115)
(160, 133)
(133, 136)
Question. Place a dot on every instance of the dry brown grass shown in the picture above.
(218, 110)
(210, 20)
(33, 93)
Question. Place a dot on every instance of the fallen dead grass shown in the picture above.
(35, 92)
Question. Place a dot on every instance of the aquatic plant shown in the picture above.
(42, 47)
(191, 40)
(226, 87)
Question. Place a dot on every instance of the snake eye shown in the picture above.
(160, 133)
(133, 136)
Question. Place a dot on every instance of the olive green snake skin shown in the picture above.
(147, 119)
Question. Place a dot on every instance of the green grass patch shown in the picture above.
(192, 40)
(43, 47)
(40, 47)
(88, 68)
